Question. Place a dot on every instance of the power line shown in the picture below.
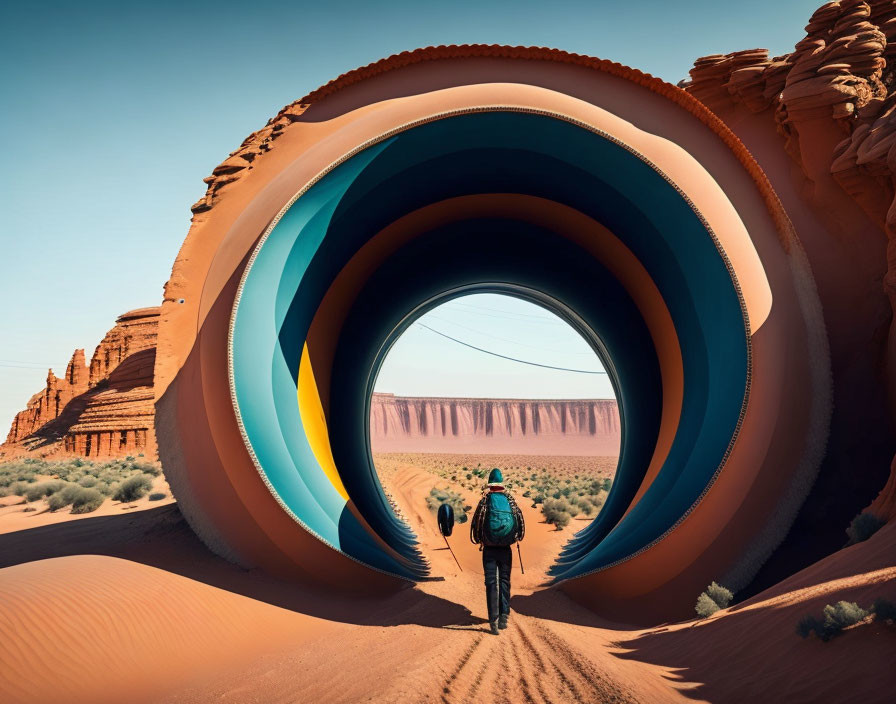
(507, 315)
(24, 365)
(504, 339)
(512, 359)
(499, 310)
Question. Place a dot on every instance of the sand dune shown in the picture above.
(131, 607)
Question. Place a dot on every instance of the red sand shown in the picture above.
(132, 608)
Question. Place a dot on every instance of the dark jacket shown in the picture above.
(479, 518)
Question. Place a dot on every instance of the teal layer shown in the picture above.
(489, 152)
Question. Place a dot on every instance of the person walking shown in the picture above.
(497, 524)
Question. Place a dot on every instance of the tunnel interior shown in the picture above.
(504, 200)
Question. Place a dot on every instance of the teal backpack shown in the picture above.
(499, 527)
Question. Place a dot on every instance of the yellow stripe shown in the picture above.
(315, 423)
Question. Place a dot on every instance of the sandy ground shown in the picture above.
(15, 517)
(129, 606)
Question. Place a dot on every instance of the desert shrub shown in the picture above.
(18, 488)
(36, 492)
(719, 594)
(842, 614)
(87, 481)
(537, 499)
(835, 617)
(105, 488)
(863, 527)
(705, 606)
(884, 610)
(64, 497)
(586, 507)
(573, 510)
(157, 496)
(133, 488)
(715, 597)
(561, 519)
(557, 512)
(87, 500)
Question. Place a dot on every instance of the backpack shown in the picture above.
(499, 526)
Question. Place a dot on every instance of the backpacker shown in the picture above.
(499, 526)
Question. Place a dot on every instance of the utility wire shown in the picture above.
(504, 339)
(507, 315)
(24, 365)
(547, 316)
(512, 359)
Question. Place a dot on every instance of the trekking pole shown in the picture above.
(521, 558)
(452, 554)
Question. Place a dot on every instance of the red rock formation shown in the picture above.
(105, 412)
(831, 105)
(496, 426)
(47, 405)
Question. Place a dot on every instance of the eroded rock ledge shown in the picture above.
(105, 410)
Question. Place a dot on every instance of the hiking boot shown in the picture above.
(502, 621)
(493, 626)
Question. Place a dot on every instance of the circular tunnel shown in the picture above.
(611, 198)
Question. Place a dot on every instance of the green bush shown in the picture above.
(18, 488)
(884, 610)
(87, 500)
(133, 488)
(36, 492)
(842, 614)
(157, 496)
(64, 497)
(835, 617)
(561, 519)
(558, 512)
(87, 480)
(719, 594)
(105, 488)
(705, 606)
(715, 597)
(863, 527)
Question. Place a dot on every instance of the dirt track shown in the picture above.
(438, 649)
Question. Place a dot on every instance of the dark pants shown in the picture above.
(496, 563)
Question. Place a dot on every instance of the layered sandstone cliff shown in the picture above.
(496, 426)
(102, 410)
(821, 121)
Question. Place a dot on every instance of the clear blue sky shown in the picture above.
(112, 113)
